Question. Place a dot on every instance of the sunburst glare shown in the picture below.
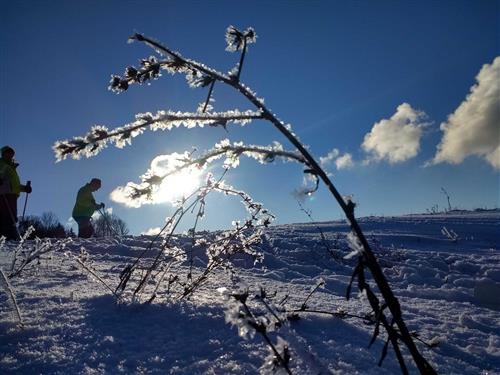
(178, 185)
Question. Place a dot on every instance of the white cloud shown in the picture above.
(172, 187)
(474, 127)
(344, 162)
(494, 158)
(333, 157)
(121, 195)
(97, 213)
(329, 158)
(152, 231)
(396, 139)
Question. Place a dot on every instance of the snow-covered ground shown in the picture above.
(447, 281)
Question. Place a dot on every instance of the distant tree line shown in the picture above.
(48, 226)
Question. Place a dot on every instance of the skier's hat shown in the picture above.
(6, 149)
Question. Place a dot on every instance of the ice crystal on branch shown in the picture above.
(237, 40)
(196, 79)
(277, 358)
(99, 136)
(355, 246)
(164, 166)
(149, 70)
(245, 313)
(220, 249)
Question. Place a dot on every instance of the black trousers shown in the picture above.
(85, 228)
(8, 216)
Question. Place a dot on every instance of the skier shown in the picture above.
(10, 189)
(85, 206)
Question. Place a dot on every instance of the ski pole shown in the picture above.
(28, 184)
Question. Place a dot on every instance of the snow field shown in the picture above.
(448, 291)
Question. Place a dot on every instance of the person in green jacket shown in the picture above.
(10, 189)
(85, 206)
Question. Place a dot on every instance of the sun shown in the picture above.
(178, 185)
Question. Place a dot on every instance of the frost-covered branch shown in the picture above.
(197, 74)
(82, 259)
(324, 240)
(27, 253)
(11, 297)
(242, 239)
(450, 234)
(168, 254)
(179, 64)
(99, 136)
(319, 284)
(378, 308)
(239, 314)
(164, 166)
(238, 40)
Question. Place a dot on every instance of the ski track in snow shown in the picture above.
(449, 291)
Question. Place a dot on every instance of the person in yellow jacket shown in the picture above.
(10, 189)
(85, 206)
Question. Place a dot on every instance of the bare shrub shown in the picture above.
(45, 226)
(109, 225)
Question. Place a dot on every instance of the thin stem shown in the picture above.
(4, 282)
(93, 273)
(209, 95)
(273, 313)
(332, 313)
(202, 192)
(392, 302)
(127, 272)
(170, 117)
(193, 64)
(262, 331)
(324, 240)
(341, 315)
(304, 304)
(242, 58)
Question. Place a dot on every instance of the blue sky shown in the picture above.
(331, 69)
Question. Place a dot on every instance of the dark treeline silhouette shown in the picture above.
(46, 226)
